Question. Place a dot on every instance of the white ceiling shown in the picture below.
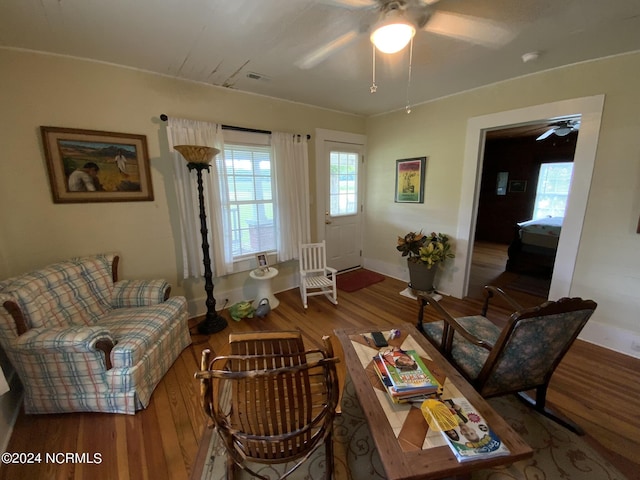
(222, 42)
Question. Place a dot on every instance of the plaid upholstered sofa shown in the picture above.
(80, 340)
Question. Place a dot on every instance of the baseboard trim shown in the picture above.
(613, 338)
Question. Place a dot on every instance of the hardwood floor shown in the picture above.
(488, 268)
(595, 387)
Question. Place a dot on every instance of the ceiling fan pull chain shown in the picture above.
(408, 105)
(373, 87)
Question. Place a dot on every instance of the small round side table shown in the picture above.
(264, 287)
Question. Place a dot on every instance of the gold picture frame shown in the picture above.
(95, 166)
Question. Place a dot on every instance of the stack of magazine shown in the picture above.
(464, 429)
(404, 375)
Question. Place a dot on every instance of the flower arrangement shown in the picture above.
(426, 249)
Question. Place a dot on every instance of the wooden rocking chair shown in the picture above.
(522, 356)
(316, 278)
(270, 400)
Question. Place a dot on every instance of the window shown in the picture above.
(251, 202)
(343, 181)
(554, 182)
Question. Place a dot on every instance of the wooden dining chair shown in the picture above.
(270, 400)
(521, 356)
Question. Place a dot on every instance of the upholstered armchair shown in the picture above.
(519, 357)
(81, 340)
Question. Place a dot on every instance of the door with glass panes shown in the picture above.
(343, 202)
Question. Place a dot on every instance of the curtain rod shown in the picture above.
(164, 118)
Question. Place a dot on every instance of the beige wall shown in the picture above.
(40, 90)
(608, 262)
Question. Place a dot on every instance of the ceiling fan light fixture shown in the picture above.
(563, 131)
(393, 33)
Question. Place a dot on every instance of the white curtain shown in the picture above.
(291, 158)
(192, 132)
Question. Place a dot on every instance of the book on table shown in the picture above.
(466, 432)
(405, 396)
(407, 371)
(406, 393)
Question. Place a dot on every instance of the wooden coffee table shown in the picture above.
(407, 448)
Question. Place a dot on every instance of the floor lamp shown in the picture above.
(198, 159)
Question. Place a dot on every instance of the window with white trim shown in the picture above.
(250, 180)
(554, 182)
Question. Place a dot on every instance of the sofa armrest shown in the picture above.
(79, 338)
(52, 352)
(139, 293)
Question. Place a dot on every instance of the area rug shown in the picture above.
(558, 453)
(361, 278)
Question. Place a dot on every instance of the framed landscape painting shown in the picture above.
(94, 166)
(410, 180)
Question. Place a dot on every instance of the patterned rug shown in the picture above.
(558, 453)
(361, 278)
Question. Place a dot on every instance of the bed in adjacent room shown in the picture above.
(534, 246)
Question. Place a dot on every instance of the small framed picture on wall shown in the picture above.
(501, 183)
(518, 186)
(410, 180)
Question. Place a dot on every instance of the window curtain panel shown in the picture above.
(291, 158)
(192, 132)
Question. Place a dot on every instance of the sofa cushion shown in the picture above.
(72, 292)
(139, 293)
(136, 330)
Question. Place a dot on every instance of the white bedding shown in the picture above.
(542, 232)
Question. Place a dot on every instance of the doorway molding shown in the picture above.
(590, 110)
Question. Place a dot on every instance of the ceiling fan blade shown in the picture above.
(351, 4)
(471, 29)
(546, 134)
(320, 54)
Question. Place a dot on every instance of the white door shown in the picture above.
(343, 173)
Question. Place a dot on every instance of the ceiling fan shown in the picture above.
(399, 20)
(561, 129)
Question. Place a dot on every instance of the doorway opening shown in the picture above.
(590, 110)
(525, 184)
